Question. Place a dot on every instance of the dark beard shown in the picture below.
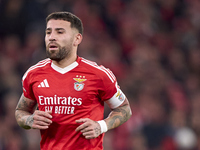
(57, 55)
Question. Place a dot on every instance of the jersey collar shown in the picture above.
(66, 69)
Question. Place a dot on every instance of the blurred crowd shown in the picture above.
(152, 46)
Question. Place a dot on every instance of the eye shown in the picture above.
(48, 32)
(60, 32)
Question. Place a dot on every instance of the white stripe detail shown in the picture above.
(42, 84)
(100, 68)
(24, 89)
(108, 70)
(38, 65)
(91, 62)
(46, 83)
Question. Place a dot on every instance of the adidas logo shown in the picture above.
(44, 83)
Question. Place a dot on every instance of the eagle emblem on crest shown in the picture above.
(79, 85)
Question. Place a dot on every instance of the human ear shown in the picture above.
(78, 39)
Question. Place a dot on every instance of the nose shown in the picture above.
(52, 37)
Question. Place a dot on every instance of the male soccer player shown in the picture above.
(69, 92)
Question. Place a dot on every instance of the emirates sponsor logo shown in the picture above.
(60, 105)
(56, 100)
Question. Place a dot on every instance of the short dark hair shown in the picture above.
(67, 16)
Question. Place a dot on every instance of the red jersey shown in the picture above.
(77, 91)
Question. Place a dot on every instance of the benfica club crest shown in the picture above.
(79, 85)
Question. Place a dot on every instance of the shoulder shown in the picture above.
(41, 64)
(99, 70)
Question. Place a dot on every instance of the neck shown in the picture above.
(65, 62)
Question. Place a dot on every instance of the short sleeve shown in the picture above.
(108, 84)
(110, 91)
(27, 87)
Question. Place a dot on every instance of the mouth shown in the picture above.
(53, 47)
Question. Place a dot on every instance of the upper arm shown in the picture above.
(117, 99)
(124, 108)
(124, 105)
(26, 104)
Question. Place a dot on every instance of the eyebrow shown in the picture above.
(57, 29)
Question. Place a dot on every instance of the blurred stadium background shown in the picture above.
(152, 46)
